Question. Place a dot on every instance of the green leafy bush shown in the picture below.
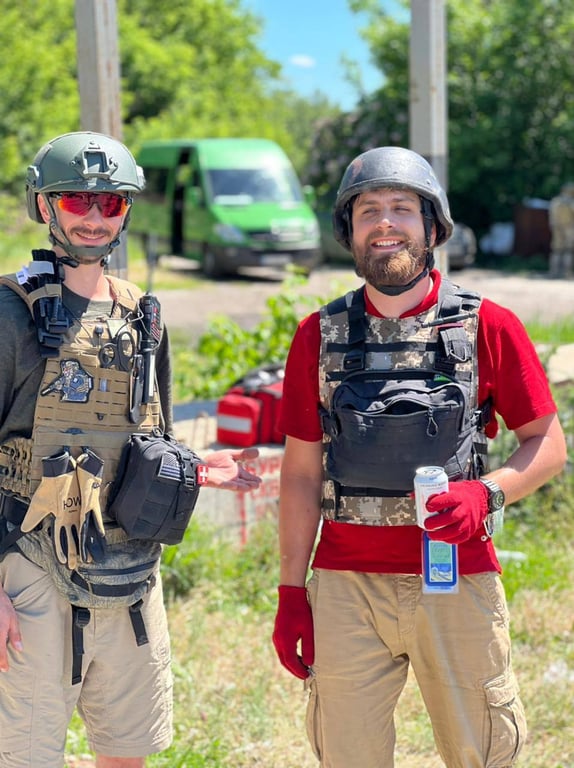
(226, 351)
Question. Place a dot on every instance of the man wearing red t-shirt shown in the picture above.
(364, 616)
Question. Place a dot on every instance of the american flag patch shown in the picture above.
(169, 468)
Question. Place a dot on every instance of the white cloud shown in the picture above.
(302, 60)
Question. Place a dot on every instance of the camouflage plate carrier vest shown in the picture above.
(83, 404)
(397, 394)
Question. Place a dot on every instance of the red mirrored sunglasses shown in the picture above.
(79, 203)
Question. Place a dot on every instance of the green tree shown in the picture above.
(188, 69)
(511, 103)
(194, 69)
(39, 95)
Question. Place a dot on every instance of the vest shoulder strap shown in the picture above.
(11, 281)
(454, 304)
(39, 286)
(29, 295)
(455, 346)
(451, 297)
(454, 300)
(125, 293)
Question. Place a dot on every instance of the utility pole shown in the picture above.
(99, 82)
(428, 119)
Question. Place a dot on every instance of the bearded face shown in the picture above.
(388, 269)
(388, 242)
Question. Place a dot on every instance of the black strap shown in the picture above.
(80, 619)
(110, 590)
(354, 359)
(50, 316)
(12, 510)
(138, 624)
(346, 490)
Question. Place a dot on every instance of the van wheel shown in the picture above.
(211, 264)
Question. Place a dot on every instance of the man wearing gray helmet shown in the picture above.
(408, 371)
(84, 365)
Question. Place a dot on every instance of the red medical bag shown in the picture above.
(247, 413)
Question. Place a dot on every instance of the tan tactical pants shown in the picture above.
(370, 627)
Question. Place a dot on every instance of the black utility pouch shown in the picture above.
(156, 488)
(382, 430)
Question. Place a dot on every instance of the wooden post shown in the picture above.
(428, 93)
(99, 83)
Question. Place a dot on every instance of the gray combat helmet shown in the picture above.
(81, 162)
(390, 167)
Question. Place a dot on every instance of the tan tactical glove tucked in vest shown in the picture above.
(58, 494)
(89, 470)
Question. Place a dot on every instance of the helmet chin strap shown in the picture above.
(396, 290)
(428, 220)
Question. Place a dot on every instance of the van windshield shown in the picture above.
(243, 186)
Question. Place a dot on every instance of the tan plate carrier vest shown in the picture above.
(80, 403)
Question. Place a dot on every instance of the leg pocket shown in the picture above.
(507, 721)
(313, 718)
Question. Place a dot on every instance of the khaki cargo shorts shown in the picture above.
(370, 628)
(125, 697)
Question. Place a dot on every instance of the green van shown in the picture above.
(226, 203)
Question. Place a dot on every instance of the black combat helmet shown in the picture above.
(391, 167)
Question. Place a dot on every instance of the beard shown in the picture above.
(396, 269)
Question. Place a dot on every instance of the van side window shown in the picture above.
(243, 186)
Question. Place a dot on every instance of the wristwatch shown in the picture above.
(495, 517)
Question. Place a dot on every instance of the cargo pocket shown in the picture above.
(507, 721)
(313, 719)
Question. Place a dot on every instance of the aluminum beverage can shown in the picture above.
(428, 480)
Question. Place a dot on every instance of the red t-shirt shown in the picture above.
(510, 373)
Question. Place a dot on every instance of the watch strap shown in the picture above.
(494, 520)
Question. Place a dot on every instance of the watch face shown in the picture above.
(497, 500)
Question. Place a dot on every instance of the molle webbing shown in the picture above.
(440, 340)
(97, 418)
(16, 467)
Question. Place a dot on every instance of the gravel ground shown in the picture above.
(532, 297)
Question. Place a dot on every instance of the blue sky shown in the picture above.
(308, 38)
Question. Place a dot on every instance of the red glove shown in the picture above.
(294, 623)
(461, 511)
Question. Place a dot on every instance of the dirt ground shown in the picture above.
(531, 297)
